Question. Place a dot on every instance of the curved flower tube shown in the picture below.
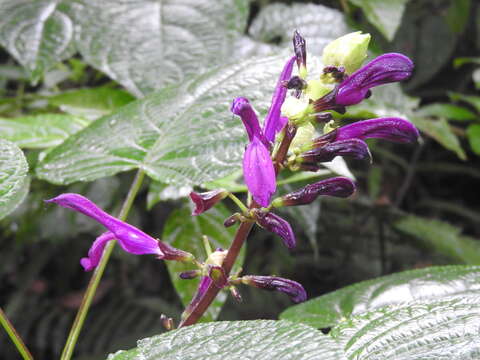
(131, 239)
(277, 225)
(293, 289)
(384, 69)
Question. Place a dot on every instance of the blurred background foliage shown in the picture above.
(416, 206)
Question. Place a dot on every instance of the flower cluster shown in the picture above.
(286, 140)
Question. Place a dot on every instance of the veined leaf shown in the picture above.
(441, 237)
(143, 44)
(318, 24)
(40, 131)
(91, 103)
(185, 232)
(183, 134)
(37, 33)
(14, 182)
(240, 340)
(396, 289)
(384, 15)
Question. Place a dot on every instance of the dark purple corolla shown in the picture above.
(336, 186)
(258, 169)
(204, 201)
(131, 239)
(293, 289)
(384, 69)
(277, 225)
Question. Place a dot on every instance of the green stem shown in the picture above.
(16, 339)
(238, 202)
(98, 272)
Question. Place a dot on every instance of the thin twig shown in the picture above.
(13, 334)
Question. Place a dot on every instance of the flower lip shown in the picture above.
(131, 239)
(206, 200)
(386, 68)
(277, 225)
(293, 289)
(336, 186)
(355, 148)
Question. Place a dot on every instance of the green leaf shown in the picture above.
(442, 237)
(458, 15)
(449, 111)
(158, 191)
(143, 44)
(40, 131)
(91, 103)
(131, 354)
(460, 61)
(14, 182)
(241, 340)
(473, 135)
(37, 33)
(146, 44)
(469, 99)
(184, 231)
(439, 328)
(386, 16)
(319, 24)
(391, 290)
(441, 131)
(183, 134)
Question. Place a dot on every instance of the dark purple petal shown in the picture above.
(392, 129)
(130, 238)
(189, 274)
(96, 251)
(241, 107)
(204, 201)
(258, 172)
(277, 225)
(271, 125)
(292, 288)
(337, 186)
(383, 69)
(201, 290)
(300, 49)
(355, 148)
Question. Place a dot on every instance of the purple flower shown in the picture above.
(204, 201)
(258, 169)
(201, 290)
(336, 186)
(392, 129)
(277, 225)
(131, 239)
(292, 288)
(383, 69)
(355, 148)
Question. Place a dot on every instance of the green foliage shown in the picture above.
(384, 15)
(473, 135)
(91, 103)
(392, 290)
(183, 134)
(40, 131)
(442, 237)
(449, 111)
(239, 340)
(155, 52)
(14, 180)
(317, 23)
(185, 231)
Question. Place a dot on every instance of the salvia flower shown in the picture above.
(384, 69)
(392, 129)
(355, 148)
(277, 225)
(206, 200)
(293, 289)
(258, 170)
(336, 186)
(131, 239)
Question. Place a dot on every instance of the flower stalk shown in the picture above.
(15, 337)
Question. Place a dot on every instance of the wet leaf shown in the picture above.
(14, 182)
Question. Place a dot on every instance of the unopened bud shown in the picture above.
(292, 288)
(348, 51)
(204, 201)
(190, 274)
(235, 293)
(167, 322)
(300, 49)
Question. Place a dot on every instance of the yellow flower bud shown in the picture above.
(348, 51)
